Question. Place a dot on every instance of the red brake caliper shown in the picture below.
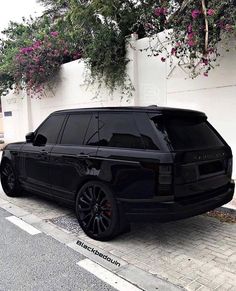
(107, 212)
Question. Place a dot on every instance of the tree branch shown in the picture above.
(204, 9)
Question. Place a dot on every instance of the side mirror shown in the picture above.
(40, 140)
(29, 137)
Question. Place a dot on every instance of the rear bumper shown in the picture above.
(169, 211)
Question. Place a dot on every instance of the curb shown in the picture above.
(140, 278)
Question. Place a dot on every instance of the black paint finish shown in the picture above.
(130, 150)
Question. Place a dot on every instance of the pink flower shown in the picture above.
(210, 51)
(148, 26)
(37, 44)
(36, 59)
(160, 11)
(78, 55)
(210, 12)
(190, 28)
(18, 57)
(190, 35)
(195, 13)
(191, 42)
(221, 24)
(228, 27)
(205, 62)
(163, 59)
(164, 11)
(26, 50)
(157, 11)
(54, 33)
(205, 74)
(173, 51)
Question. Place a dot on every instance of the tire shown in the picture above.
(97, 211)
(9, 180)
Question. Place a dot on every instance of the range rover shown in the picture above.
(122, 164)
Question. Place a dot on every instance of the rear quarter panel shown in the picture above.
(132, 174)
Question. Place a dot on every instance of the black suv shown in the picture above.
(123, 164)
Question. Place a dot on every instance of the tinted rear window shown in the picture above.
(119, 130)
(188, 133)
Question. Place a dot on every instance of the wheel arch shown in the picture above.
(87, 180)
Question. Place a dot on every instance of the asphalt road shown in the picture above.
(38, 262)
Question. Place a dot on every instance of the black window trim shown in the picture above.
(62, 129)
(96, 116)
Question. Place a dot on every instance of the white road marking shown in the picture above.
(23, 225)
(107, 276)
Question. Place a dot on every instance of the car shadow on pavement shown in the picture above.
(182, 232)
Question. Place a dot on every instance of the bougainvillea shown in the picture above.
(98, 30)
(32, 52)
(39, 63)
(194, 30)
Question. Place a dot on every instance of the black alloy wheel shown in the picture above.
(9, 180)
(97, 211)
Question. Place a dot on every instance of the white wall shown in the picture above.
(151, 75)
(71, 92)
(215, 95)
(17, 125)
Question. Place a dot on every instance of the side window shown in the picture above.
(119, 130)
(51, 128)
(75, 129)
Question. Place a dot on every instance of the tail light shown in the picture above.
(165, 179)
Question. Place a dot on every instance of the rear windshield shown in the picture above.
(188, 132)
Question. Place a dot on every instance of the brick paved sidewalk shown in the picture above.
(197, 253)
